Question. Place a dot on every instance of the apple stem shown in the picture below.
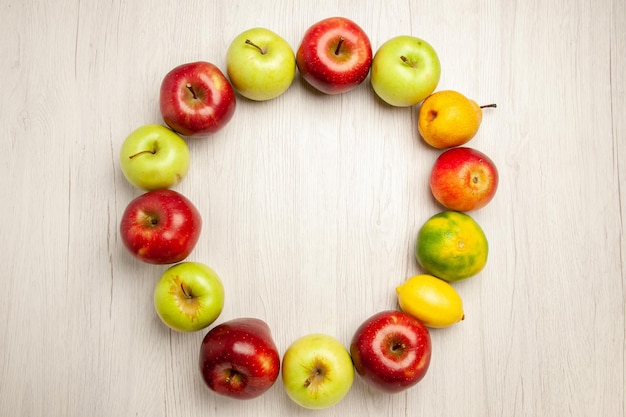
(341, 39)
(184, 289)
(494, 105)
(190, 88)
(311, 378)
(406, 61)
(398, 346)
(232, 376)
(152, 151)
(249, 42)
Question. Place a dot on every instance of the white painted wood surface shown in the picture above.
(311, 205)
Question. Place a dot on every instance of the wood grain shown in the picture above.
(311, 205)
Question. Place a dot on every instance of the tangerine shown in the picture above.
(451, 246)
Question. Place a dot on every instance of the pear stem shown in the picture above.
(341, 39)
(493, 105)
(249, 42)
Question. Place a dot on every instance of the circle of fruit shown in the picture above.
(162, 226)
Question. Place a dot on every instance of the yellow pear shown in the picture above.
(447, 119)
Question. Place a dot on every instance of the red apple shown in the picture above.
(196, 99)
(160, 227)
(391, 351)
(239, 358)
(463, 179)
(335, 55)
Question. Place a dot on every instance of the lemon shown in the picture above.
(431, 300)
(451, 246)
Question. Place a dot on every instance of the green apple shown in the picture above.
(405, 70)
(317, 371)
(260, 64)
(189, 296)
(154, 157)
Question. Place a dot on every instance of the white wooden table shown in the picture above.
(311, 205)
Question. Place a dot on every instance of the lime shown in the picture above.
(451, 246)
(431, 300)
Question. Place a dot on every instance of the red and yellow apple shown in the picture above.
(239, 358)
(196, 99)
(463, 179)
(335, 55)
(160, 227)
(391, 351)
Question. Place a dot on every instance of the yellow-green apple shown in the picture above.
(196, 99)
(239, 358)
(189, 296)
(391, 351)
(335, 55)
(317, 371)
(463, 179)
(153, 157)
(160, 227)
(405, 70)
(260, 64)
